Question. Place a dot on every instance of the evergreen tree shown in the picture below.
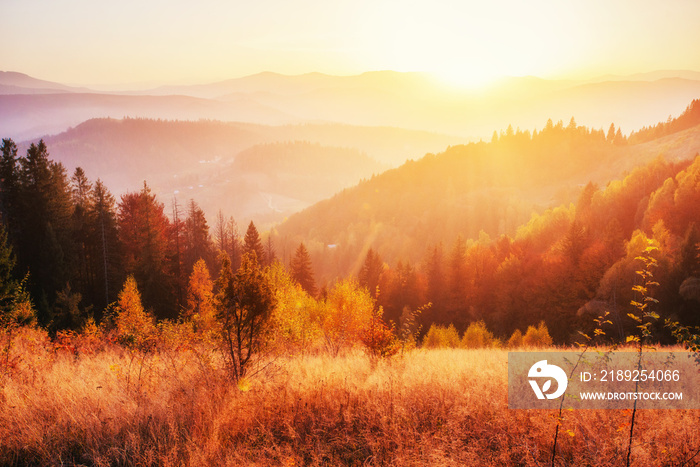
(228, 239)
(253, 244)
(104, 240)
(46, 246)
(144, 231)
(8, 284)
(197, 244)
(244, 304)
(371, 272)
(84, 274)
(403, 292)
(302, 271)
(9, 185)
(458, 271)
(270, 256)
(611, 133)
(436, 279)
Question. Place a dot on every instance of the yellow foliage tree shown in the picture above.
(477, 336)
(294, 321)
(200, 299)
(537, 336)
(516, 339)
(346, 314)
(441, 337)
(135, 326)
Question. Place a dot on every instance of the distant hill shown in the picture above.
(32, 116)
(12, 82)
(384, 98)
(200, 160)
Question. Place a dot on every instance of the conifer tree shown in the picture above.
(144, 233)
(46, 246)
(371, 272)
(244, 304)
(253, 244)
(9, 185)
(302, 271)
(104, 238)
(197, 244)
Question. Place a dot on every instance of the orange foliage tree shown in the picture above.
(135, 326)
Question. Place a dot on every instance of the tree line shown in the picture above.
(70, 245)
(565, 266)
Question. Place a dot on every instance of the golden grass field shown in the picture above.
(437, 407)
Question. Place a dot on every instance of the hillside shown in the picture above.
(471, 190)
(197, 160)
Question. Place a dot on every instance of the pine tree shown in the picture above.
(46, 246)
(8, 284)
(371, 272)
(270, 256)
(458, 272)
(197, 244)
(9, 185)
(302, 271)
(244, 304)
(104, 241)
(84, 273)
(228, 239)
(436, 279)
(253, 244)
(611, 133)
(144, 231)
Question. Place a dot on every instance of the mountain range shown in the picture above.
(31, 108)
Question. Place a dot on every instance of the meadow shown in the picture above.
(84, 401)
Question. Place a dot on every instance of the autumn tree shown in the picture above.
(295, 319)
(144, 234)
(134, 325)
(200, 298)
(347, 313)
(244, 304)
(253, 244)
(302, 271)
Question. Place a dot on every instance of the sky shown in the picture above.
(104, 42)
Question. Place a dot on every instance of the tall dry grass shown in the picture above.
(436, 407)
